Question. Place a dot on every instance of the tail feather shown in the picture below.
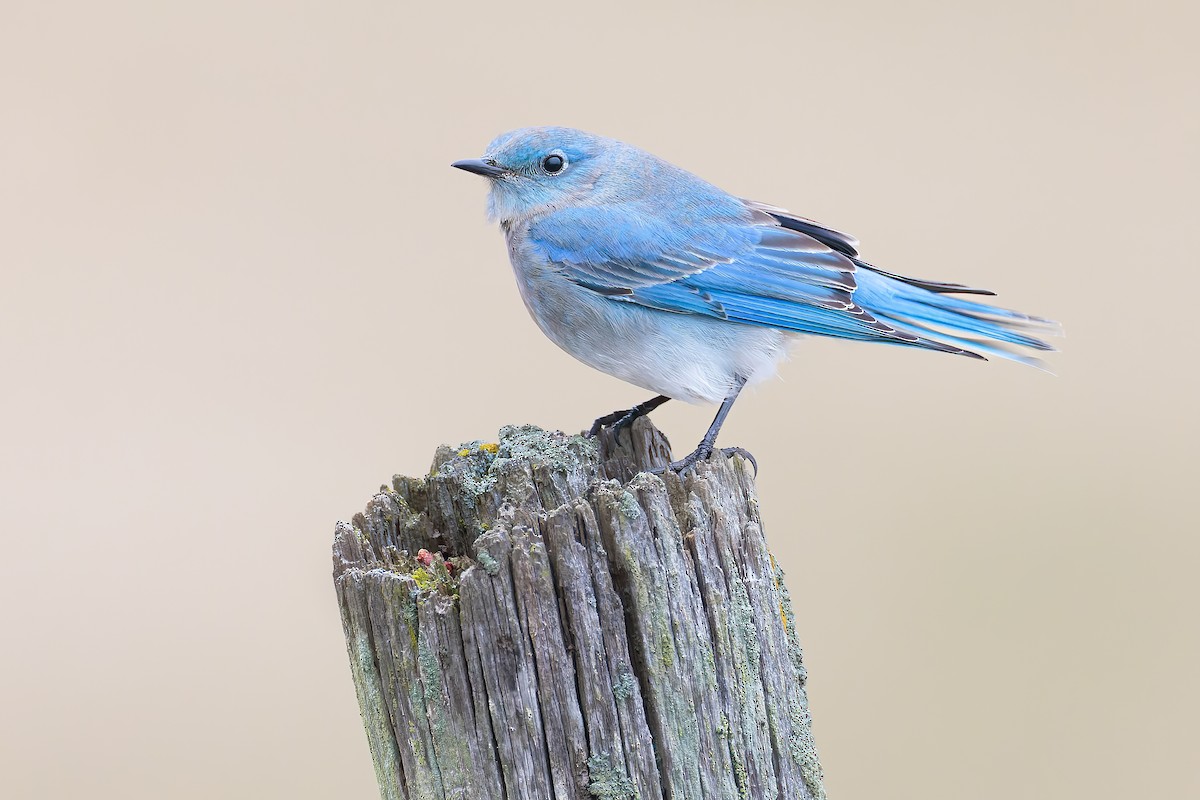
(939, 287)
(975, 308)
(928, 314)
(951, 322)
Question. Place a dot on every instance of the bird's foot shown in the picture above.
(702, 453)
(616, 420)
(625, 417)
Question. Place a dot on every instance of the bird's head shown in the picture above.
(535, 170)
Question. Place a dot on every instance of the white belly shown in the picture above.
(683, 356)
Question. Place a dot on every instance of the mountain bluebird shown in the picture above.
(646, 272)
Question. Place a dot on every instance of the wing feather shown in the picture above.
(758, 264)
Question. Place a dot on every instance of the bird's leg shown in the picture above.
(626, 416)
(707, 444)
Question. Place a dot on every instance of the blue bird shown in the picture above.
(650, 274)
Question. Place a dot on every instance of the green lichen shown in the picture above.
(478, 466)
(371, 694)
(402, 597)
(529, 442)
(425, 581)
(624, 686)
(803, 746)
(666, 645)
(490, 565)
(475, 478)
(629, 506)
(609, 782)
(436, 577)
(431, 674)
(741, 775)
(471, 463)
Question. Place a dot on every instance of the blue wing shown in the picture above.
(759, 265)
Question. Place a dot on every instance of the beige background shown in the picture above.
(240, 287)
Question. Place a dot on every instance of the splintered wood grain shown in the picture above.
(540, 618)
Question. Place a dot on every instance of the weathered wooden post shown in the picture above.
(574, 629)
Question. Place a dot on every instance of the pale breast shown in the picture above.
(687, 357)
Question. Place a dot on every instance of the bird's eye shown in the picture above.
(553, 164)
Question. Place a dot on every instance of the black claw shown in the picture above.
(706, 444)
(625, 421)
(703, 453)
(605, 421)
(614, 421)
(744, 453)
(625, 417)
(687, 462)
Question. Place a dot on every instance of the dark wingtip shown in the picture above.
(937, 287)
(953, 288)
(930, 344)
(834, 240)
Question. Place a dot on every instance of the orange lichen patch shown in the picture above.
(775, 581)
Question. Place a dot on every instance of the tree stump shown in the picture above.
(538, 618)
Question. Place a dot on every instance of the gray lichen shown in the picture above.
(609, 782)
(471, 464)
(557, 450)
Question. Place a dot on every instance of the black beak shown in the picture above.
(479, 166)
